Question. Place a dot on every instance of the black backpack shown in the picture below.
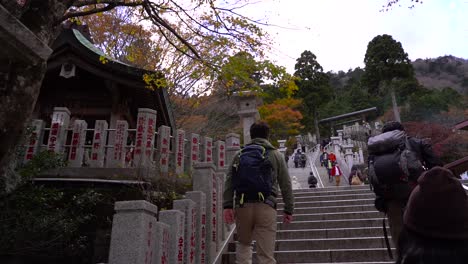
(393, 166)
(252, 176)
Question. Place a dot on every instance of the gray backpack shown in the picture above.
(393, 165)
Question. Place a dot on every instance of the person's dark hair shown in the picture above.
(259, 130)
(416, 249)
(392, 125)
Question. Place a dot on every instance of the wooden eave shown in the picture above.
(72, 47)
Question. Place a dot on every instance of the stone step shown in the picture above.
(305, 193)
(320, 224)
(330, 203)
(373, 262)
(368, 255)
(331, 233)
(334, 209)
(324, 243)
(327, 189)
(335, 216)
(332, 197)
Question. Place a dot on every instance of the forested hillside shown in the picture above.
(446, 71)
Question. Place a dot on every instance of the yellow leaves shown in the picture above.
(103, 59)
(153, 82)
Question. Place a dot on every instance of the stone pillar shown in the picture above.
(200, 225)
(179, 151)
(58, 133)
(116, 156)
(98, 149)
(221, 178)
(136, 235)
(282, 146)
(205, 180)
(340, 135)
(220, 155)
(247, 105)
(232, 146)
(144, 139)
(349, 155)
(361, 156)
(35, 139)
(162, 156)
(187, 206)
(193, 152)
(336, 145)
(175, 219)
(299, 142)
(75, 156)
(207, 150)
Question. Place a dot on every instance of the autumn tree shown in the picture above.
(313, 87)
(283, 117)
(182, 24)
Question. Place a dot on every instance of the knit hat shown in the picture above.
(438, 206)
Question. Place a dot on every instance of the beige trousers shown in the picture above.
(256, 221)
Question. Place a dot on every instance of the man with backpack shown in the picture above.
(254, 179)
(395, 163)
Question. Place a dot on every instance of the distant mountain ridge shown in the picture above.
(442, 72)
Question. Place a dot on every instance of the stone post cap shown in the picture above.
(233, 135)
(137, 205)
(204, 165)
(62, 109)
(183, 201)
(147, 110)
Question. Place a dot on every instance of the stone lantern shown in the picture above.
(247, 103)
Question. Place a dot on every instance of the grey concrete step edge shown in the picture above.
(338, 213)
(333, 197)
(305, 195)
(331, 229)
(337, 220)
(323, 239)
(372, 262)
(326, 191)
(334, 188)
(324, 250)
(335, 206)
(331, 201)
(308, 194)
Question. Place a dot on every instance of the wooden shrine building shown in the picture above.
(93, 86)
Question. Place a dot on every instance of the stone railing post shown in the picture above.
(75, 155)
(116, 155)
(361, 156)
(98, 148)
(144, 139)
(136, 235)
(187, 206)
(340, 135)
(349, 155)
(162, 157)
(220, 163)
(232, 146)
(58, 133)
(175, 219)
(336, 145)
(205, 180)
(207, 150)
(35, 139)
(193, 152)
(199, 198)
(179, 151)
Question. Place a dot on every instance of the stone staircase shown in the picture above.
(331, 225)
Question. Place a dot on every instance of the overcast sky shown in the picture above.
(338, 31)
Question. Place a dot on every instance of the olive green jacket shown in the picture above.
(280, 179)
